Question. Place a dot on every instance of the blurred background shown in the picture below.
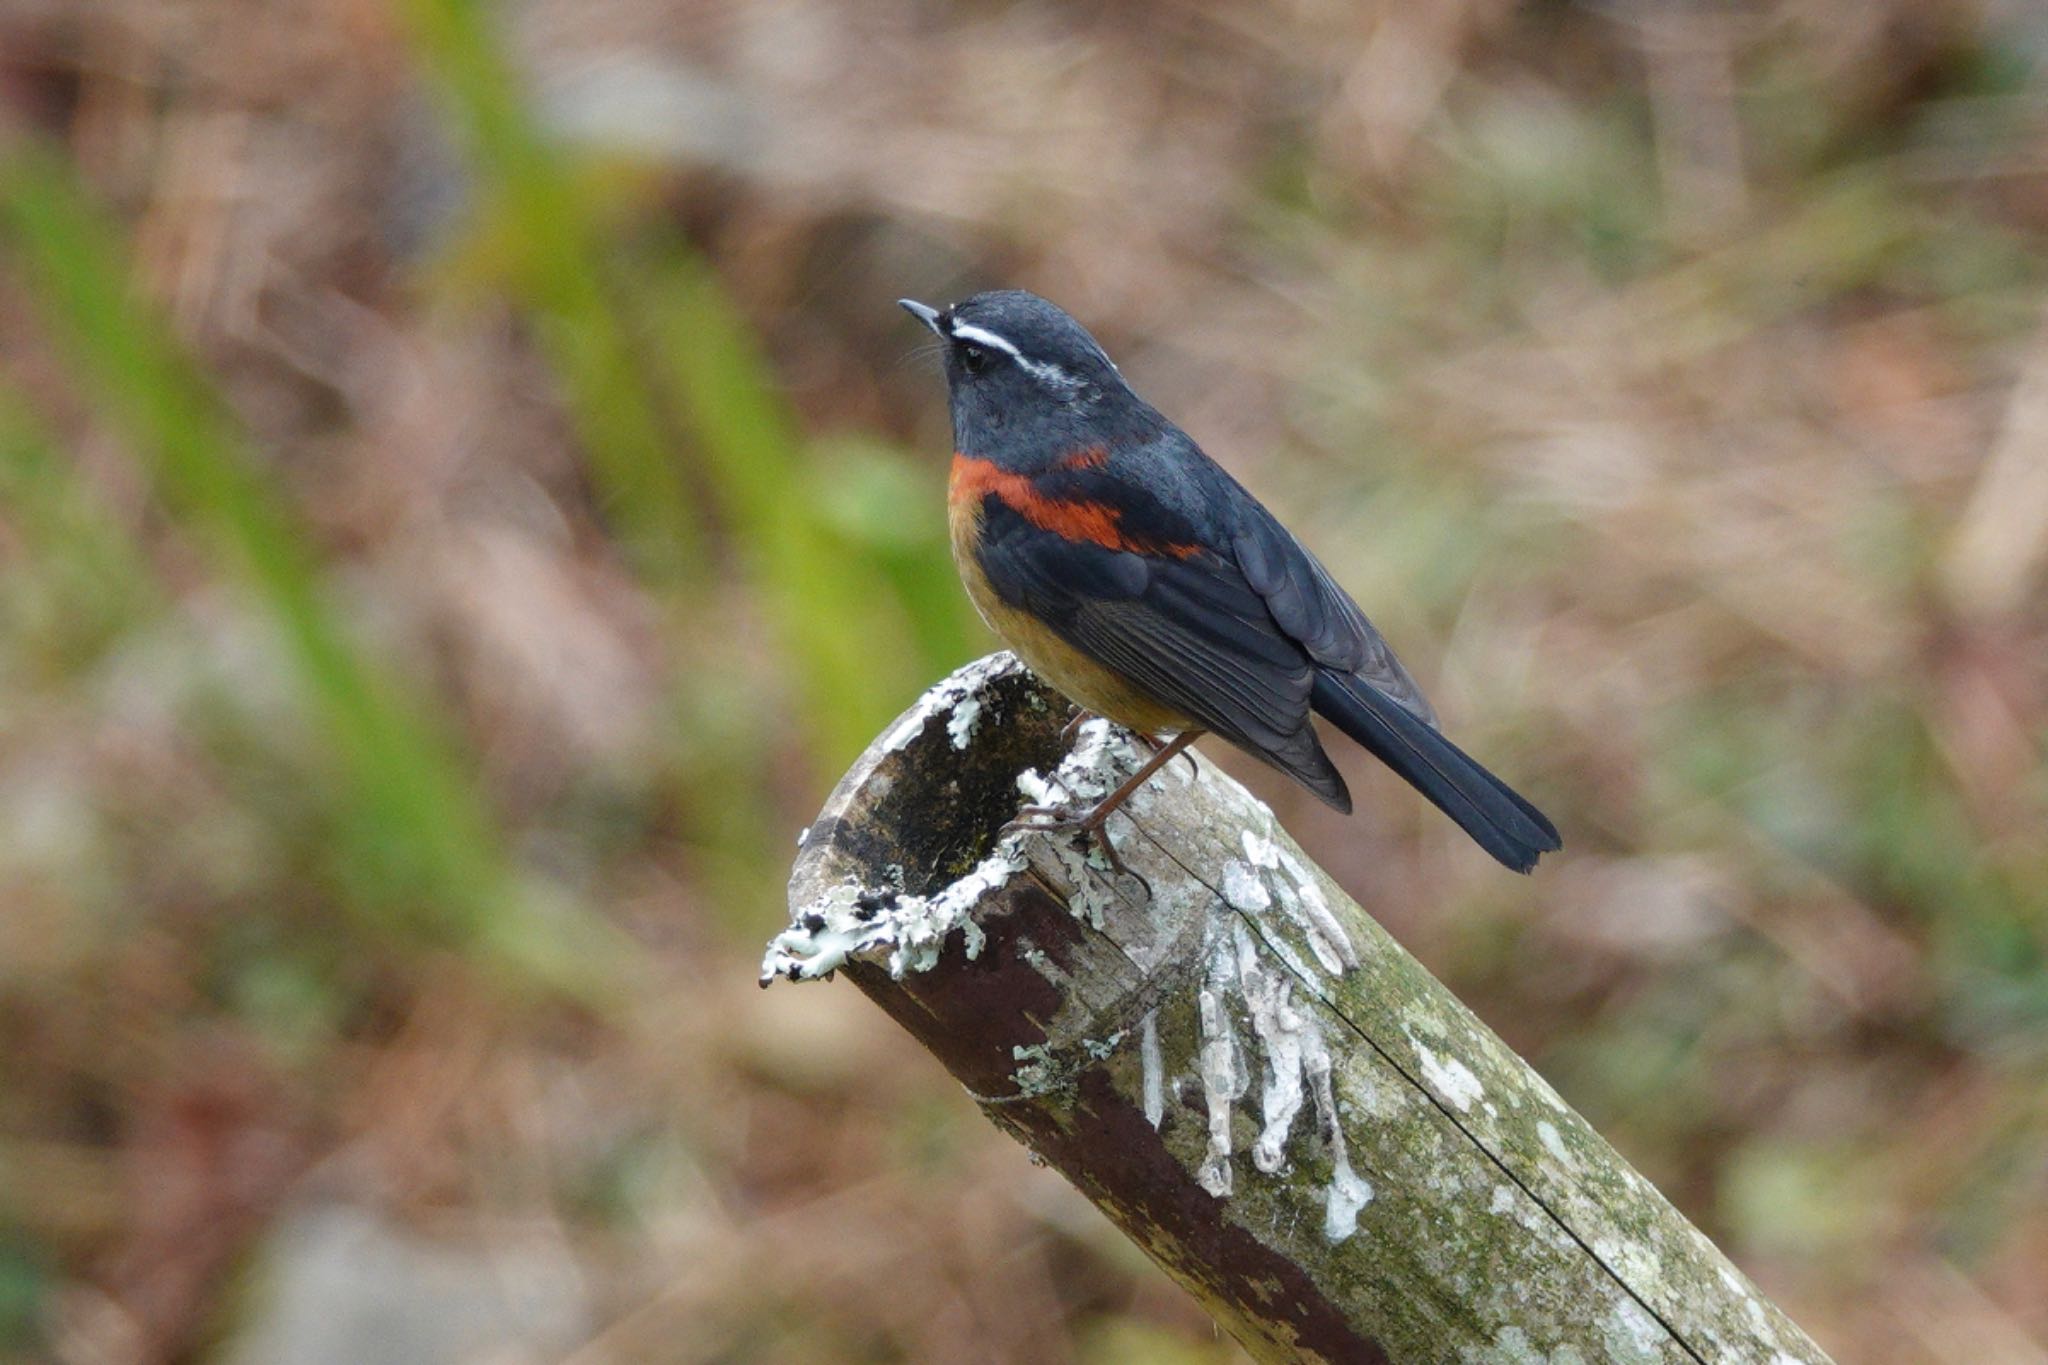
(466, 493)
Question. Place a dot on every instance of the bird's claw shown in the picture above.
(1067, 820)
(1044, 820)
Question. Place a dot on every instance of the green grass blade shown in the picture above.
(427, 843)
(80, 582)
(840, 624)
(560, 273)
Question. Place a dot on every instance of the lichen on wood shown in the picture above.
(1236, 1063)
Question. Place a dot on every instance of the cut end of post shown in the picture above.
(872, 883)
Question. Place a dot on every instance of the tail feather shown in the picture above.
(1498, 818)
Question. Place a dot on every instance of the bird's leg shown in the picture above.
(1059, 817)
(1161, 756)
(1092, 823)
(1153, 742)
(1081, 716)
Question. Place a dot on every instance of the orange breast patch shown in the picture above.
(1070, 518)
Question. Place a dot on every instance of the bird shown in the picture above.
(1137, 576)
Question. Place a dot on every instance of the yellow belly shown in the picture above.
(1085, 682)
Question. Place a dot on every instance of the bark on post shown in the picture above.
(1239, 1067)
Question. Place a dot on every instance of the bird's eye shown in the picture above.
(973, 359)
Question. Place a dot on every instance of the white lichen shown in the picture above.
(1325, 932)
(1223, 1078)
(1038, 789)
(887, 923)
(1349, 1193)
(1281, 1029)
(1082, 868)
(1262, 851)
(1048, 1069)
(1099, 1049)
(1509, 1202)
(1038, 1070)
(1420, 1015)
(1297, 1072)
(966, 718)
(1553, 1141)
(1266, 976)
(1449, 1079)
(1102, 757)
(904, 930)
(1270, 875)
(957, 697)
(1634, 1264)
(1632, 1336)
(1152, 1070)
(1243, 888)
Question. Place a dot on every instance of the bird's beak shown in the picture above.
(923, 313)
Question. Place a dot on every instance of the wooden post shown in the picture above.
(1237, 1064)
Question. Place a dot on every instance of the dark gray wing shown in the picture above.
(1190, 631)
(1309, 606)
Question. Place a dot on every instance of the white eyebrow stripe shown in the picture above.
(967, 331)
(1044, 371)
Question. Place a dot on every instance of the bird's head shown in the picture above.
(1026, 382)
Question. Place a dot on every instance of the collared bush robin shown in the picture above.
(1133, 573)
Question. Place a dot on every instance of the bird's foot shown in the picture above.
(1045, 819)
(1091, 824)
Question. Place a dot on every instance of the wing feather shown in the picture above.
(1309, 606)
(1189, 630)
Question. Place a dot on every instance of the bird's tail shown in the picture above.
(1502, 822)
